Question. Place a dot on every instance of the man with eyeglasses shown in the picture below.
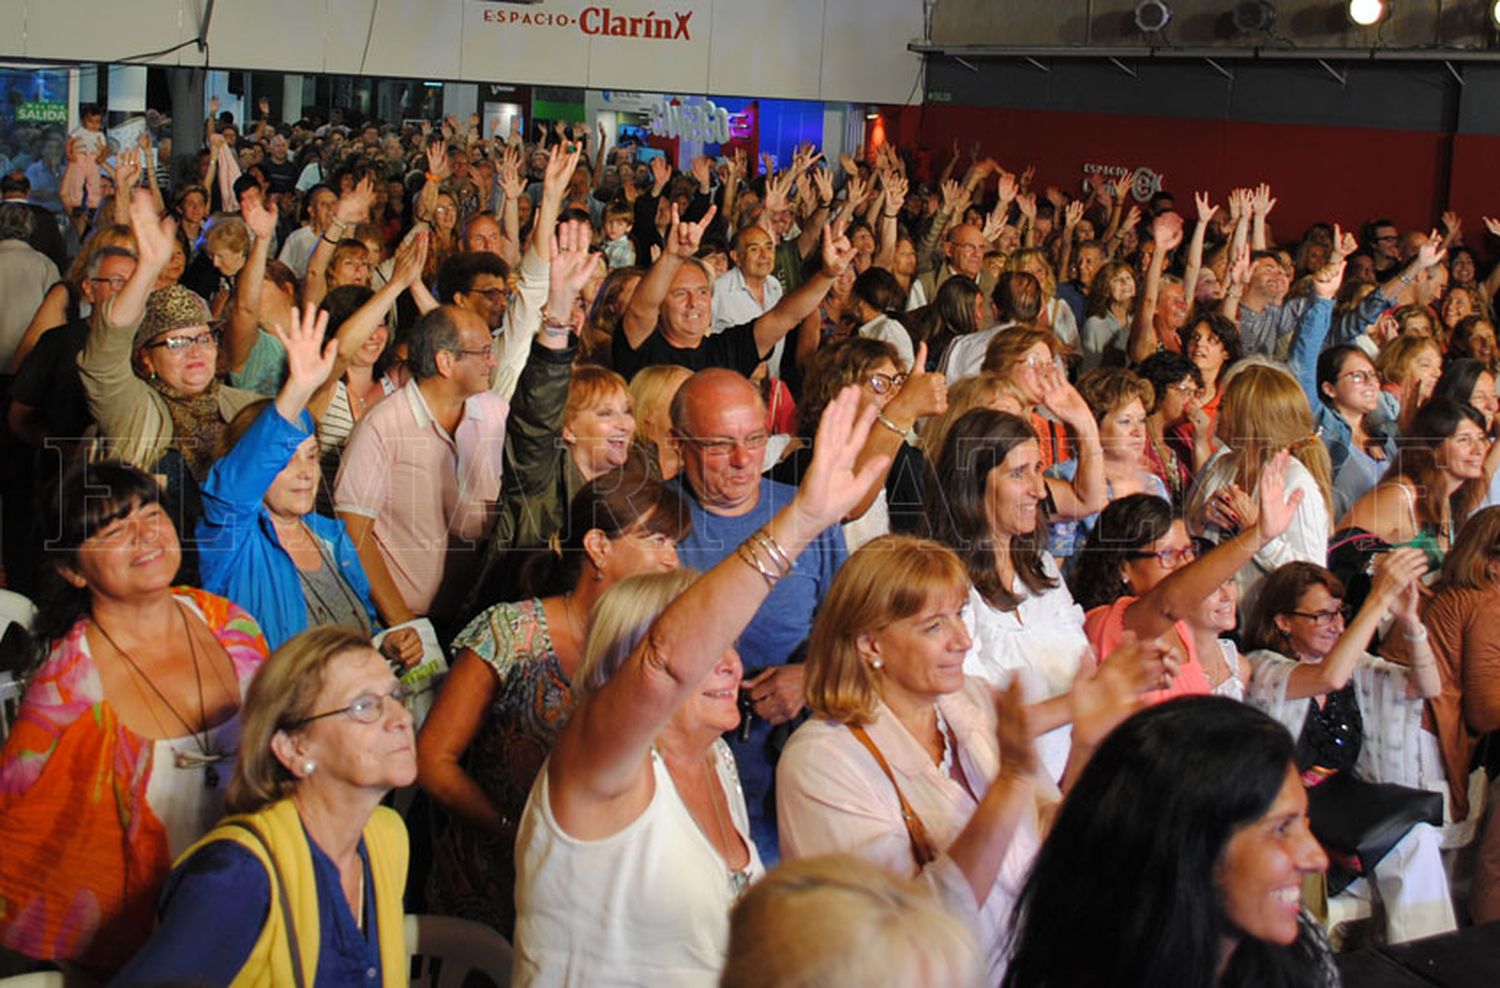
(964, 251)
(419, 483)
(718, 424)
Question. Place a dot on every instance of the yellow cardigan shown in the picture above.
(270, 961)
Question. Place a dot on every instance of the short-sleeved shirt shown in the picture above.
(734, 348)
(265, 367)
(47, 380)
(785, 617)
(434, 497)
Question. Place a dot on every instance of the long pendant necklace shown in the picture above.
(185, 759)
(739, 878)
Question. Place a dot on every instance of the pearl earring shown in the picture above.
(877, 664)
(309, 766)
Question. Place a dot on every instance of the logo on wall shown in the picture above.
(596, 21)
(706, 122)
(1144, 183)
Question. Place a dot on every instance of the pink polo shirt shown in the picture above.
(434, 497)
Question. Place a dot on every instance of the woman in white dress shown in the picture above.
(634, 843)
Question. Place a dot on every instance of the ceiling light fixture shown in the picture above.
(1152, 15)
(1367, 13)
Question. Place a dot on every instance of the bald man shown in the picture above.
(718, 424)
(964, 251)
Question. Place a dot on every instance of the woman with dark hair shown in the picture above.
(1357, 720)
(608, 308)
(988, 503)
(1140, 573)
(879, 301)
(1106, 331)
(1181, 850)
(1471, 383)
(1212, 343)
(1018, 303)
(958, 311)
(1474, 338)
(1346, 391)
(118, 756)
(895, 504)
(511, 688)
(1175, 387)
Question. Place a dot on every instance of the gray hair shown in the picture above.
(434, 332)
(15, 221)
(97, 261)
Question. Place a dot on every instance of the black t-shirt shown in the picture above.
(48, 380)
(283, 177)
(733, 348)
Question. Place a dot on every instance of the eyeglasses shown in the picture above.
(477, 352)
(1169, 558)
(884, 383)
(177, 344)
(365, 708)
(1186, 388)
(493, 294)
(716, 446)
(1324, 618)
(116, 282)
(970, 248)
(1360, 376)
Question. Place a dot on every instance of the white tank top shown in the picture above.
(648, 905)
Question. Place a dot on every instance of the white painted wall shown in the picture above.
(832, 50)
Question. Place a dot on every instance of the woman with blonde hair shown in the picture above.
(1409, 367)
(986, 390)
(651, 392)
(1466, 641)
(836, 920)
(1055, 315)
(1026, 356)
(303, 884)
(640, 792)
(1263, 412)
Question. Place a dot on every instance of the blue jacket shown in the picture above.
(1310, 340)
(240, 556)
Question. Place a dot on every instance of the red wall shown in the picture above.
(1346, 175)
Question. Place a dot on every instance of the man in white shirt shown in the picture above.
(749, 290)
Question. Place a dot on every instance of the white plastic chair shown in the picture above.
(14, 609)
(458, 946)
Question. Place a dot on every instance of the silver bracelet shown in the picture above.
(753, 561)
(762, 537)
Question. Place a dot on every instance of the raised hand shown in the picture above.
(838, 253)
(560, 167)
(823, 180)
(1101, 701)
(703, 172)
(572, 264)
(1344, 243)
(213, 106)
(953, 195)
(259, 218)
(777, 187)
(1327, 279)
(851, 167)
(309, 358)
(512, 185)
(1206, 209)
(411, 258)
(661, 174)
(1239, 268)
(1131, 218)
(895, 194)
(1492, 225)
(1121, 186)
(1261, 203)
(683, 237)
(994, 223)
(922, 394)
(154, 235)
(1453, 223)
(354, 206)
(1072, 215)
(1166, 230)
(1394, 572)
(831, 485)
(1432, 251)
(1027, 176)
(1007, 188)
(1055, 196)
(1026, 203)
(1276, 506)
(128, 174)
(437, 160)
(1061, 398)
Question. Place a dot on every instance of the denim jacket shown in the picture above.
(240, 556)
(1307, 344)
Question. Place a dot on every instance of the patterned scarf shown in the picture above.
(197, 425)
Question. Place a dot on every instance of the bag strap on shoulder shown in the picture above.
(916, 831)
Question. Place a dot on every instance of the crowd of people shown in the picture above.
(840, 573)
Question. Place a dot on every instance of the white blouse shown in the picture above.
(1041, 641)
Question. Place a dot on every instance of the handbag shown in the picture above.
(1358, 822)
(916, 831)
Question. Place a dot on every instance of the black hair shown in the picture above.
(1134, 853)
(84, 500)
(1227, 333)
(1164, 369)
(1331, 366)
(342, 302)
(433, 333)
(1125, 526)
(880, 290)
(459, 270)
(1458, 380)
